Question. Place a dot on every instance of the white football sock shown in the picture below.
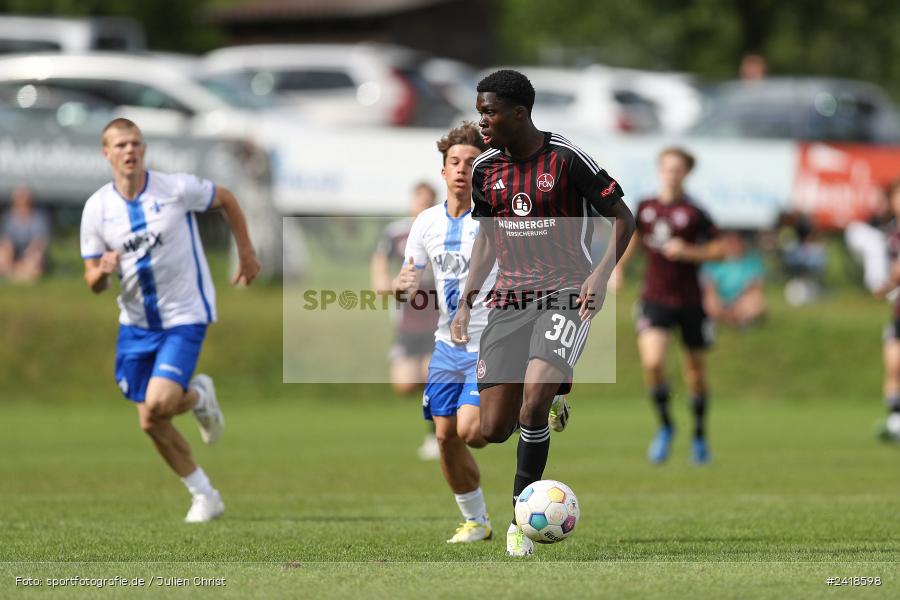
(198, 483)
(512, 528)
(472, 506)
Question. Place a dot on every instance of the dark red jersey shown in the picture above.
(669, 282)
(893, 248)
(540, 211)
(409, 319)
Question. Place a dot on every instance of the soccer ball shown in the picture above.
(547, 511)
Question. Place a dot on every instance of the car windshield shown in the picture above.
(236, 90)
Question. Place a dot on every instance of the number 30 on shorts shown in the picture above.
(563, 330)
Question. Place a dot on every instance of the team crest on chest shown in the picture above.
(545, 182)
(680, 218)
(521, 204)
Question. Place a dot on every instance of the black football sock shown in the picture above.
(698, 406)
(531, 458)
(893, 403)
(660, 395)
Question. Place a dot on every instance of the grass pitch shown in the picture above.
(326, 498)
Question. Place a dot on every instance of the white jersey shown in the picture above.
(446, 242)
(163, 270)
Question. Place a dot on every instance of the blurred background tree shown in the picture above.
(174, 25)
(852, 38)
(856, 38)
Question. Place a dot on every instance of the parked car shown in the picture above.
(678, 100)
(361, 84)
(455, 80)
(801, 108)
(84, 91)
(20, 34)
(587, 101)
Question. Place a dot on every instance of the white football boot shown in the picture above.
(209, 416)
(517, 543)
(559, 413)
(472, 531)
(205, 508)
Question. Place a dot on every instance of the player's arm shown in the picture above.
(407, 280)
(605, 196)
(484, 255)
(711, 249)
(618, 273)
(678, 249)
(593, 291)
(248, 265)
(380, 272)
(98, 270)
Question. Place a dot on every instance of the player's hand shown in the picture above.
(675, 249)
(408, 279)
(248, 269)
(459, 328)
(592, 296)
(109, 262)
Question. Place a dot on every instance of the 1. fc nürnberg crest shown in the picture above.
(545, 182)
(521, 204)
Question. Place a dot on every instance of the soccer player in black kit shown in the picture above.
(531, 193)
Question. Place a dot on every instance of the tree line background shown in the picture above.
(848, 38)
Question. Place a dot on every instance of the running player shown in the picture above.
(531, 193)
(889, 429)
(414, 329)
(677, 236)
(442, 236)
(142, 228)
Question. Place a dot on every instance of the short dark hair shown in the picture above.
(687, 157)
(466, 134)
(118, 123)
(509, 85)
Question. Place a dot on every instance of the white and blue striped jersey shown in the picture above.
(446, 242)
(163, 271)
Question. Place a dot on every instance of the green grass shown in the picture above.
(327, 499)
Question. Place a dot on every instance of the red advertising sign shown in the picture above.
(840, 183)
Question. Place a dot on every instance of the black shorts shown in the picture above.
(697, 330)
(412, 344)
(549, 329)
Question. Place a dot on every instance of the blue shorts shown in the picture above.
(145, 353)
(451, 381)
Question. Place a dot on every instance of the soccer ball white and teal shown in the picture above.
(547, 511)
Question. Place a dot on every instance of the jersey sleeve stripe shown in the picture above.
(489, 154)
(578, 152)
(90, 256)
(582, 153)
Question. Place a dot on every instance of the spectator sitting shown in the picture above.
(24, 235)
(804, 258)
(733, 288)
